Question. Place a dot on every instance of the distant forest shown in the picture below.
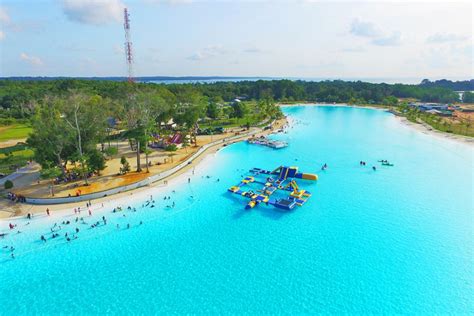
(18, 98)
(466, 85)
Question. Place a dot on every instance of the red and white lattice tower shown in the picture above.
(128, 44)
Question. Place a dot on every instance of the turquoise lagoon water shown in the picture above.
(397, 240)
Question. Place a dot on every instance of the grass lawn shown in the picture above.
(16, 131)
(18, 158)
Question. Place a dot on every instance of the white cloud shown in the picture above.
(393, 40)
(444, 38)
(370, 30)
(208, 52)
(4, 17)
(364, 29)
(4, 21)
(32, 60)
(95, 12)
(254, 50)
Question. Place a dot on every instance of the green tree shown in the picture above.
(240, 109)
(213, 110)
(51, 174)
(51, 140)
(86, 119)
(95, 161)
(468, 97)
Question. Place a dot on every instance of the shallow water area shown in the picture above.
(395, 240)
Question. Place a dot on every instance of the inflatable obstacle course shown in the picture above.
(281, 179)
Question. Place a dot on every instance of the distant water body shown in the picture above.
(238, 79)
(398, 240)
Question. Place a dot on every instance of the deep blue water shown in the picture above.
(396, 240)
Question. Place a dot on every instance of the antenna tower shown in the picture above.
(128, 45)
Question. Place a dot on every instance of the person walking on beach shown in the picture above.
(47, 212)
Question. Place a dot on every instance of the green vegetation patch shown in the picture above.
(16, 131)
(14, 157)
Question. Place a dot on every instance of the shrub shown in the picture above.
(8, 184)
(171, 147)
(125, 165)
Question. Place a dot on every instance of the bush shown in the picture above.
(8, 184)
(125, 165)
(171, 147)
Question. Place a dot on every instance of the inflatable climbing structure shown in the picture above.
(281, 179)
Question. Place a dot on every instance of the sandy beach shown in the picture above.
(10, 210)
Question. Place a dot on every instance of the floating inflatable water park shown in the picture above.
(281, 180)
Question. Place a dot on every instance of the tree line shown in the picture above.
(72, 127)
(19, 99)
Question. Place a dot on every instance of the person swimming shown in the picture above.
(43, 239)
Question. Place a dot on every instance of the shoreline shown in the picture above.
(22, 209)
(420, 127)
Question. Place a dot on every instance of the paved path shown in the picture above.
(28, 170)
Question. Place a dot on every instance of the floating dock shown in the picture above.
(263, 141)
(285, 181)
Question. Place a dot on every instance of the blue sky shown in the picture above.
(300, 38)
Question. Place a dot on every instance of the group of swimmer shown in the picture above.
(363, 163)
(57, 230)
